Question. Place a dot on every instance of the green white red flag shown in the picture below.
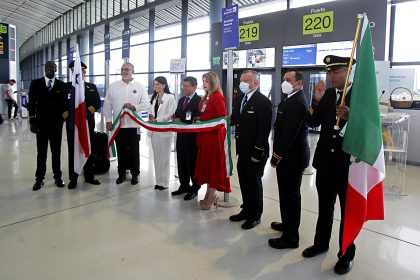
(363, 140)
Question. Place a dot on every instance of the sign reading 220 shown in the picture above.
(318, 23)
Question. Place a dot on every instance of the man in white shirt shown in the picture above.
(8, 96)
(130, 94)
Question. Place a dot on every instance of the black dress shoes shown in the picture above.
(37, 185)
(120, 179)
(135, 180)
(238, 217)
(313, 251)
(161, 188)
(72, 185)
(282, 243)
(180, 190)
(190, 196)
(343, 266)
(277, 226)
(93, 181)
(59, 183)
(250, 224)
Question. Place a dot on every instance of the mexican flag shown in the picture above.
(363, 140)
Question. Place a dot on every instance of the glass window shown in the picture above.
(302, 3)
(139, 38)
(99, 81)
(139, 57)
(199, 25)
(168, 32)
(164, 52)
(265, 8)
(198, 52)
(406, 43)
(64, 68)
(115, 62)
(170, 78)
(416, 77)
(114, 44)
(143, 79)
(199, 76)
(99, 48)
(99, 63)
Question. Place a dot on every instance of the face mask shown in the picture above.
(244, 87)
(286, 87)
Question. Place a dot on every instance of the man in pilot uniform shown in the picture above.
(93, 103)
(330, 162)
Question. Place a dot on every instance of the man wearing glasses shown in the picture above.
(130, 94)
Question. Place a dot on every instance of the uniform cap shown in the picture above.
(333, 62)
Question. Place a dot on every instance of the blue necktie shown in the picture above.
(244, 101)
(49, 86)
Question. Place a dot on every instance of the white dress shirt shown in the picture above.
(120, 93)
(52, 81)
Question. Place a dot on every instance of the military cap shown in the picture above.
(333, 62)
(71, 65)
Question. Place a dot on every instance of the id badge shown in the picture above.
(188, 115)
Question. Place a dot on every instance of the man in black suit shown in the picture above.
(290, 158)
(46, 98)
(186, 147)
(330, 162)
(93, 103)
(252, 113)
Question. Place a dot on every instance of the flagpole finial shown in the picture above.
(361, 15)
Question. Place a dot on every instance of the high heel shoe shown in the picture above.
(207, 205)
(205, 198)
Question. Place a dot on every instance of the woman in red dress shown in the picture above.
(211, 160)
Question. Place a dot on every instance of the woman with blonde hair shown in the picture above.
(210, 168)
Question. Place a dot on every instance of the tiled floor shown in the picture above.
(135, 232)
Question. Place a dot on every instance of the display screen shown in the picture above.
(342, 48)
(302, 55)
(254, 58)
(239, 59)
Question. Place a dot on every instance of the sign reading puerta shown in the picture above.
(4, 40)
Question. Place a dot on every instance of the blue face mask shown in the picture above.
(244, 87)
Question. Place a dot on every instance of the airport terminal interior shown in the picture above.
(126, 231)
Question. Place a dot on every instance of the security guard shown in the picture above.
(93, 103)
(331, 163)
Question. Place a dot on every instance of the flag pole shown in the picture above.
(353, 50)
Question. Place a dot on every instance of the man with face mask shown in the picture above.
(330, 162)
(251, 115)
(46, 98)
(290, 158)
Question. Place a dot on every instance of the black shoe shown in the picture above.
(120, 179)
(135, 180)
(161, 188)
(343, 266)
(72, 185)
(180, 190)
(59, 183)
(190, 196)
(277, 226)
(282, 243)
(238, 217)
(250, 224)
(313, 251)
(92, 181)
(37, 185)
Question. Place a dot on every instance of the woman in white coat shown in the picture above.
(163, 106)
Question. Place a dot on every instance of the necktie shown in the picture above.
(339, 95)
(244, 101)
(184, 105)
(49, 86)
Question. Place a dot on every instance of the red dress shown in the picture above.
(211, 160)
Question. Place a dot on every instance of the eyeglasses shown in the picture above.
(126, 69)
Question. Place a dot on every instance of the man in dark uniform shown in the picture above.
(186, 147)
(331, 163)
(46, 98)
(252, 113)
(93, 103)
(290, 158)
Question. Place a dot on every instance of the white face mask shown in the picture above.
(286, 87)
(244, 87)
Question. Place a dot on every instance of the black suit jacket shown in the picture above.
(290, 130)
(253, 125)
(192, 107)
(45, 107)
(328, 151)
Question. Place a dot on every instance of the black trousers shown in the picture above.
(250, 174)
(11, 103)
(88, 167)
(51, 134)
(186, 154)
(128, 153)
(289, 178)
(329, 184)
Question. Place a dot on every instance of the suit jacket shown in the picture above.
(192, 107)
(165, 112)
(328, 151)
(290, 130)
(45, 107)
(253, 125)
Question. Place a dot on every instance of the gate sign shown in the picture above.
(230, 27)
(126, 44)
(4, 40)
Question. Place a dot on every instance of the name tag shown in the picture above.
(188, 115)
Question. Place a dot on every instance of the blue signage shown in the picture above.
(126, 44)
(303, 55)
(107, 42)
(230, 28)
